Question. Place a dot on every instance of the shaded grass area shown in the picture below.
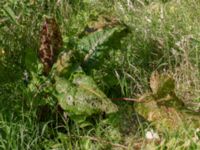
(161, 36)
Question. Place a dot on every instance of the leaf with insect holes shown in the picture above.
(76, 92)
(80, 96)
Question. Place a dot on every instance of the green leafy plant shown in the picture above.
(110, 49)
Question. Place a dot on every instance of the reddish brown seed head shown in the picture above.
(50, 44)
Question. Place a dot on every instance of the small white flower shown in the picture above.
(151, 135)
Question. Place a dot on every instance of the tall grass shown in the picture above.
(161, 35)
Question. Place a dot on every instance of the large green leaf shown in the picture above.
(91, 43)
(81, 96)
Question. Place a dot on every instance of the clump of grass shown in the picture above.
(160, 36)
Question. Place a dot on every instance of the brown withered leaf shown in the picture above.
(50, 44)
(101, 23)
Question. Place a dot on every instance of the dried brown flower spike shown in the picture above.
(50, 44)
